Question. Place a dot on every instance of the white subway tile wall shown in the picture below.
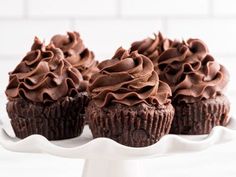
(72, 8)
(105, 36)
(11, 8)
(164, 7)
(219, 34)
(224, 8)
(18, 35)
(106, 25)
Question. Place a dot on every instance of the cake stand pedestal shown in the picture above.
(106, 158)
(113, 168)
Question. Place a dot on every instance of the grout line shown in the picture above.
(165, 25)
(58, 18)
(11, 19)
(83, 18)
(124, 18)
(146, 17)
(211, 8)
(119, 8)
(72, 24)
(25, 9)
(181, 17)
(8, 57)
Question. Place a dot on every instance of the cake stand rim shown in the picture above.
(168, 145)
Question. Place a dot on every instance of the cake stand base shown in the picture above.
(107, 158)
(113, 168)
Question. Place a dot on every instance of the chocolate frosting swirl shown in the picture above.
(129, 79)
(152, 48)
(44, 76)
(191, 72)
(76, 53)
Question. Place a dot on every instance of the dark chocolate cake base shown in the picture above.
(137, 126)
(200, 117)
(59, 120)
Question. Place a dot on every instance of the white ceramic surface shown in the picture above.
(85, 147)
(106, 158)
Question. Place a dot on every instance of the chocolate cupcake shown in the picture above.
(129, 103)
(46, 95)
(152, 47)
(197, 82)
(76, 53)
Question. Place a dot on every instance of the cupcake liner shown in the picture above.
(200, 117)
(52, 129)
(59, 120)
(136, 126)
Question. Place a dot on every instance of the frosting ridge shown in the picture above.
(152, 47)
(44, 76)
(191, 72)
(128, 78)
(76, 53)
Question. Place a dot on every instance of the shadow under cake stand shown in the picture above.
(106, 158)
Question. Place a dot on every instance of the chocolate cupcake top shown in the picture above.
(129, 79)
(44, 76)
(76, 53)
(152, 48)
(191, 72)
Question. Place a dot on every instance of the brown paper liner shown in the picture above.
(59, 120)
(137, 126)
(200, 117)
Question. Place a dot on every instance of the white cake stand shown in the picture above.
(106, 158)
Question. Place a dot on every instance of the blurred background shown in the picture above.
(105, 25)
